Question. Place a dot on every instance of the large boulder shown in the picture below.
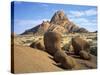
(69, 63)
(80, 44)
(85, 55)
(39, 44)
(59, 56)
(66, 61)
(52, 42)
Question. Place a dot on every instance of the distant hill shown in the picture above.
(59, 22)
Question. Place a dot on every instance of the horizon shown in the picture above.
(30, 14)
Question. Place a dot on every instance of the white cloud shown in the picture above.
(22, 25)
(45, 5)
(76, 13)
(80, 20)
(90, 25)
(89, 12)
(83, 18)
(29, 22)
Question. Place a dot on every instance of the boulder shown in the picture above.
(52, 42)
(80, 44)
(38, 45)
(85, 55)
(67, 62)
(59, 56)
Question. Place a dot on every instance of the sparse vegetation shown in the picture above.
(93, 50)
(69, 49)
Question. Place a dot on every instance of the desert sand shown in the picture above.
(77, 55)
(27, 59)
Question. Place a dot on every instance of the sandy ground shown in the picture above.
(27, 59)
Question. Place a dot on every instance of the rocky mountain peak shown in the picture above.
(59, 18)
(44, 26)
(59, 23)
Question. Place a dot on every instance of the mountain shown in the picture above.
(39, 29)
(59, 22)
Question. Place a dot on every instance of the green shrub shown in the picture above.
(93, 50)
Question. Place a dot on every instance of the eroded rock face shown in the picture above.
(66, 61)
(38, 45)
(59, 56)
(52, 42)
(85, 55)
(69, 63)
(80, 44)
(57, 28)
(43, 27)
(59, 18)
(59, 22)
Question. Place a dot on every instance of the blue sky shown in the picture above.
(30, 14)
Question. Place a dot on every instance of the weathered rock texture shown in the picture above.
(66, 61)
(59, 22)
(52, 42)
(80, 44)
(38, 44)
(85, 55)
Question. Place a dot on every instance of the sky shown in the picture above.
(30, 14)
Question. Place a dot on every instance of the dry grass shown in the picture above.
(28, 59)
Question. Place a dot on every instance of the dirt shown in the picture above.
(27, 59)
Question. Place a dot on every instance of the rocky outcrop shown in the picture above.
(52, 42)
(84, 55)
(59, 23)
(80, 44)
(38, 30)
(39, 44)
(69, 63)
(66, 61)
(59, 56)
(59, 18)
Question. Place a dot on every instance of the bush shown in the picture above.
(66, 47)
(93, 50)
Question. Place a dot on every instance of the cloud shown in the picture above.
(80, 19)
(76, 13)
(29, 22)
(22, 25)
(86, 19)
(90, 25)
(89, 12)
(45, 5)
